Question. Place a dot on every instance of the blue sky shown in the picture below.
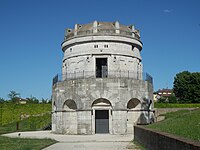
(31, 33)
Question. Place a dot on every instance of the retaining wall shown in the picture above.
(154, 140)
(161, 111)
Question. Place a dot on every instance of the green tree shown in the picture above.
(44, 101)
(2, 100)
(14, 96)
(172, 99)
(49, 101)
(187, 87)
(32, 100)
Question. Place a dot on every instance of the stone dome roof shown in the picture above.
(103, 25)
(106, 28)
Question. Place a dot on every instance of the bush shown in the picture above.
(172, 99)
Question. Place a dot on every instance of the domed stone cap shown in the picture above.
(102, 25)
(102, 28)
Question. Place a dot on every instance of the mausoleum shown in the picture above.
(102, 88)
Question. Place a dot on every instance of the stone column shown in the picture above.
(95, 24)
(75, 29)
(133, 30)
(117, 27)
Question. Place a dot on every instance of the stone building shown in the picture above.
(102, 88)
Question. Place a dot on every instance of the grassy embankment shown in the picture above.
(183, 123)
(29, 117)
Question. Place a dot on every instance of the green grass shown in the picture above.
(171, 105)
(183, 123)
(10, 112)
(139, 145)
(29, 124)
(36, 117)
(7, 143)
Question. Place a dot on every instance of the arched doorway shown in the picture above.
(102, 111)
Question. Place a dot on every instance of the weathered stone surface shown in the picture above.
(80, 121)
(102, 70)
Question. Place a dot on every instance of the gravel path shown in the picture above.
(82, 142)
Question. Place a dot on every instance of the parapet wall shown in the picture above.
(154, 140)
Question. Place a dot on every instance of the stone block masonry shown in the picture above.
(102, 89)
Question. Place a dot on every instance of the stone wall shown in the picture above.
(74, 104)
(85, 91)
(161, 111)
(120, 56)
(154, 140)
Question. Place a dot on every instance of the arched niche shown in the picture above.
(69, 105)
(101, 102)
(133, 103)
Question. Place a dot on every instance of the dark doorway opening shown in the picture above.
(101, 121)
(101, 68)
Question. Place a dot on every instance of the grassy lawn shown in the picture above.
(29, 124)
(30, 117)
(139, 145)
(7, 143)
(183, 123)
(171, 105)
(10, 112)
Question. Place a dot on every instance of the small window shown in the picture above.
(95, 46)
(105, 46)
(70, 49)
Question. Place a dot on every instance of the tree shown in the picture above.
(172, 99)
(2, 100)
(187, 87)
(50, 101)
(13, 96)
(44, 101)
(32, 100)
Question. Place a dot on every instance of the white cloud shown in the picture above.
(167, 10)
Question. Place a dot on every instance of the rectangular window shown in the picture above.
(105, 46)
